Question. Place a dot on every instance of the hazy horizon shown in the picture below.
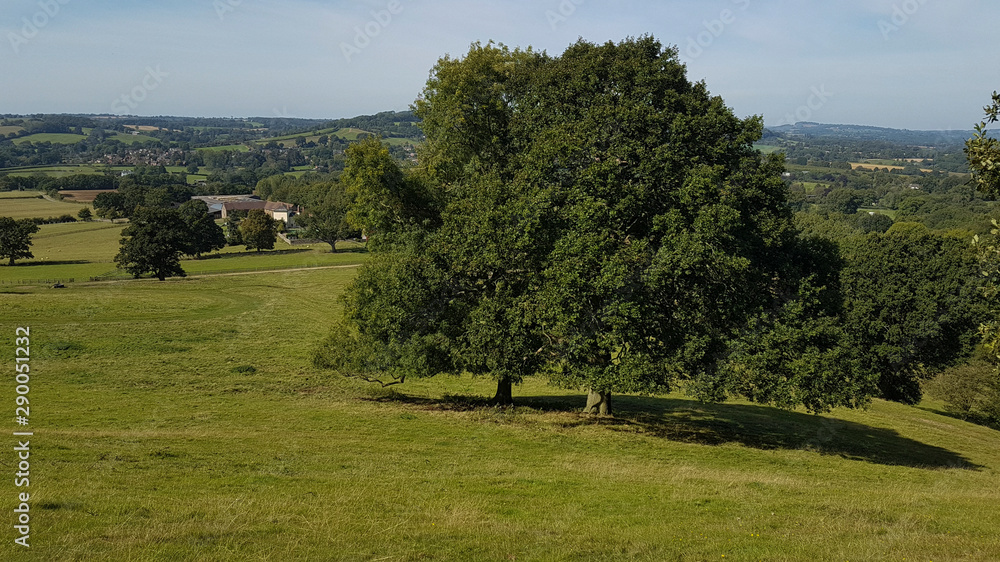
(903, 64)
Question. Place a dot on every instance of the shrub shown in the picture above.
(970, 391)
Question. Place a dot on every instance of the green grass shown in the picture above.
(231, 147)
(19, 195)
(54, 138)
(768, 149)
(82, 250)
(182, 420)
(57, 171)
(41, 208)
(349, 134)
(129, 138)
(8, 129)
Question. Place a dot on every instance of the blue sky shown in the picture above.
(917, 64)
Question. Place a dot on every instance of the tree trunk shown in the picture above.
(598, 403)
(504, 395)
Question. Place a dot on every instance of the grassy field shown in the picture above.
(82, 250)
(8, 129)
(57, 171)
(231, 147)
(128, 138)
(182, 420)
(41, 208)
(19, 195)
(54, 138)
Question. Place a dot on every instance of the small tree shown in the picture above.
(85, 214)
(232, 231)
(259, 231)
(206, 235)
(327, 219)
(15, 239)
(153, 243)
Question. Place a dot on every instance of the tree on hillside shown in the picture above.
(15, 239)
(597, 218)
(153, 242)
(911, 305)
(205, 235)
(326, 218)
(85, 214)
(259, 231)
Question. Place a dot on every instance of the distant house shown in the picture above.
(282, 211)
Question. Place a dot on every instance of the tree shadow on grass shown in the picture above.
(758, 427)
(250, 253)
(51, 262)
(767, 428)
(969, 418)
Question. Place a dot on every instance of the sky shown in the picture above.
(913, 64)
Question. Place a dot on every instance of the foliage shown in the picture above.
(205, 235)
(258, 231)
(983, 152)
(85, 214)
(383, 197)
(601, 219)
(15, 239)
(326, 219)
(970, 391)
(153, 242)
(910, 305)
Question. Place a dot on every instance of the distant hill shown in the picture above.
(863, 132)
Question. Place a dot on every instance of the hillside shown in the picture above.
(234, 450)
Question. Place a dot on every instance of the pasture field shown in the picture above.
(20, 194)
(8, 129)
(231, 147)
(59, 171)
(128, 138)
(870, 166)
(54, 138)
(41, 208)
(81, 250)
(183, 420)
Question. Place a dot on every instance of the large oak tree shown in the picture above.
(593, 216)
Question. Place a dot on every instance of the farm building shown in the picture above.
(219, 206)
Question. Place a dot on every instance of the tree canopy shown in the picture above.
(911, 306)
(983, 151)
(258, 231)
(153, 242)
(15, 239)
(595, 217)
(204, 235)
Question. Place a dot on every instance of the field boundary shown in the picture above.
(126, 277)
